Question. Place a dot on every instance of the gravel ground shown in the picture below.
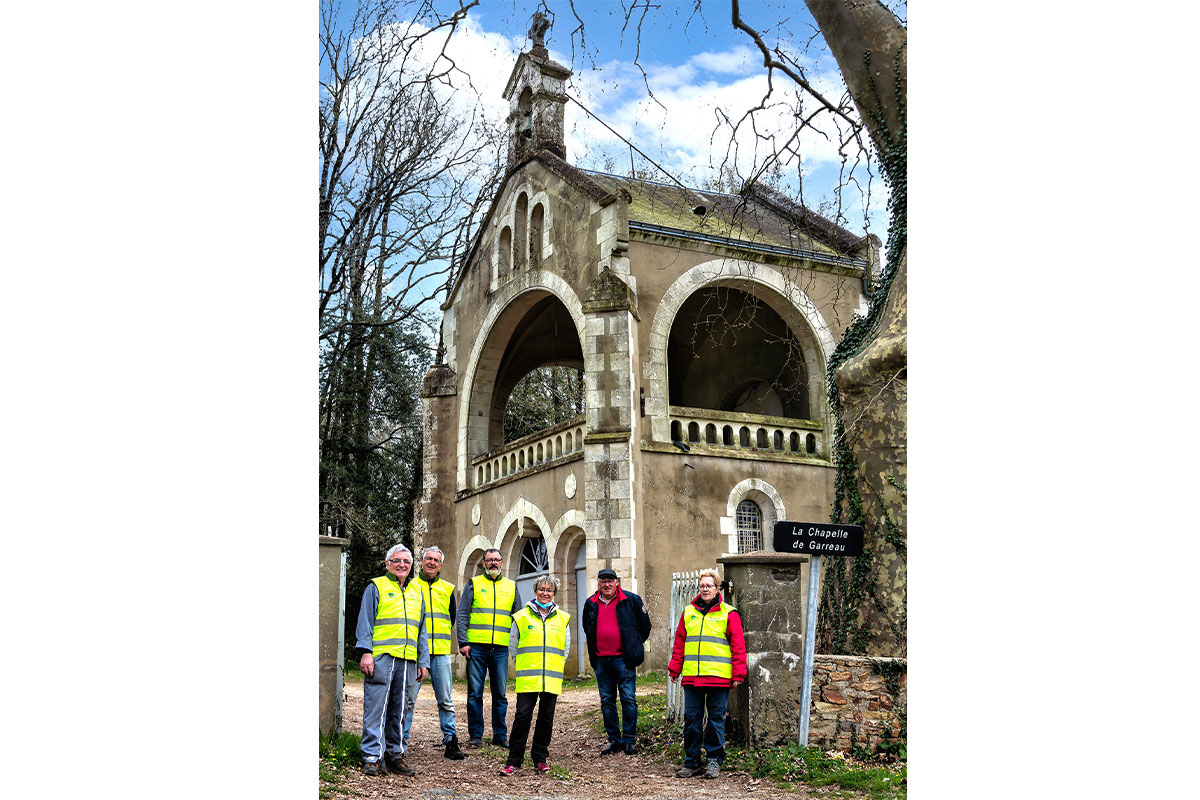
(579, 772)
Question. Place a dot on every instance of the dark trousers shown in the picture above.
(614, 676)
(540, 750)
(487, 660)
(696, 701)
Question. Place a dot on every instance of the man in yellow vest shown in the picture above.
(483, 628)
(439, 614)
(390, 634)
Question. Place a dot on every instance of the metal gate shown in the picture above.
(684, 587)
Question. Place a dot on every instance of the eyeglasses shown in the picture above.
(399, 561)
(492, 560)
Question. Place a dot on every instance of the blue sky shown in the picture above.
(675, 92)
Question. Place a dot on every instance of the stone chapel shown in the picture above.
(701, 323)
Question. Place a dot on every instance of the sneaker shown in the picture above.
(689, 772)
(630, 749)
(542, 766)
(613, 747)
(475, 742)
(507, 769)
(499, 742)
(453, 751)
(713, 769)
(397, 766)
(371, 768)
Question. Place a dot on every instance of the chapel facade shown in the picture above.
(701, 324)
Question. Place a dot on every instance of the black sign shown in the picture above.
(818, 538)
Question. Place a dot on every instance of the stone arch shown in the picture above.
(763, 281)
(475, 394)
(769, 502)
(569, 537)
(472, 551)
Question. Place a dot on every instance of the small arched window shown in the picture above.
(519, 246)
(749, 527)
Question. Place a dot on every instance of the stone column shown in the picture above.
(331, 610)
(770, 593)
(609, 350)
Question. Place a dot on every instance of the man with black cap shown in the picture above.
(616, 624)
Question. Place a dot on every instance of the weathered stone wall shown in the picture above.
(857, 701)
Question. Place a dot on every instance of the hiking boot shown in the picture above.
(542, 766)
(630, 749)
(397, 766)
(371, 769)
(453, 751)
(689, 772)
(713, 769)
(475, 742)
(613, 747)
(507, 769)
(496, 740)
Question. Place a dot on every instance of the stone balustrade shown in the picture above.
(543, 447)
(735, 431)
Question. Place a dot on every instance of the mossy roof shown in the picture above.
(757, 215)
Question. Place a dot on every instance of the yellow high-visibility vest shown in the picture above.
(437, 613)
(541, 650)
(397, 619)
(491, 610)
(706, 649)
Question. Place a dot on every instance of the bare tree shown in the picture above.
(405, 170)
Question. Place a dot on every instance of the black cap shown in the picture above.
(606, 573)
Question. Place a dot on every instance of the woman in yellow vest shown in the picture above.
(710, 655)
(543, 640)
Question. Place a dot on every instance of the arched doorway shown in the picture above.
(581, 596)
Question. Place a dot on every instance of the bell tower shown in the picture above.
(536, 94)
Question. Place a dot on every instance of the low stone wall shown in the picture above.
(857, 701)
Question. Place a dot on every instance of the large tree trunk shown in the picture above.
(868, 43)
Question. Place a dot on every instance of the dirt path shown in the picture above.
(575, 748)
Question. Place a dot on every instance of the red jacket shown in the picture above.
(737, 646)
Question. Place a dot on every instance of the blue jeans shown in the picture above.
(492, 660)
(384, 694)
(696, 700)
(439, 676)
(613, 675)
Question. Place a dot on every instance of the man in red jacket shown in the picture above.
(710, 654)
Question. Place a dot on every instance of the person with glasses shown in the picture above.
(390, 634)
(710, 654)
(438, 594)
(543, 640)
(616, 624)
(483, 628)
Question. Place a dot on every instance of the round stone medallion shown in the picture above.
(569, 488)
(475, 515)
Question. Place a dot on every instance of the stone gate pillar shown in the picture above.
(331, 613)
(770, 592)
(610, 457)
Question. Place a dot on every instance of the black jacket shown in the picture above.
(632, 621)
